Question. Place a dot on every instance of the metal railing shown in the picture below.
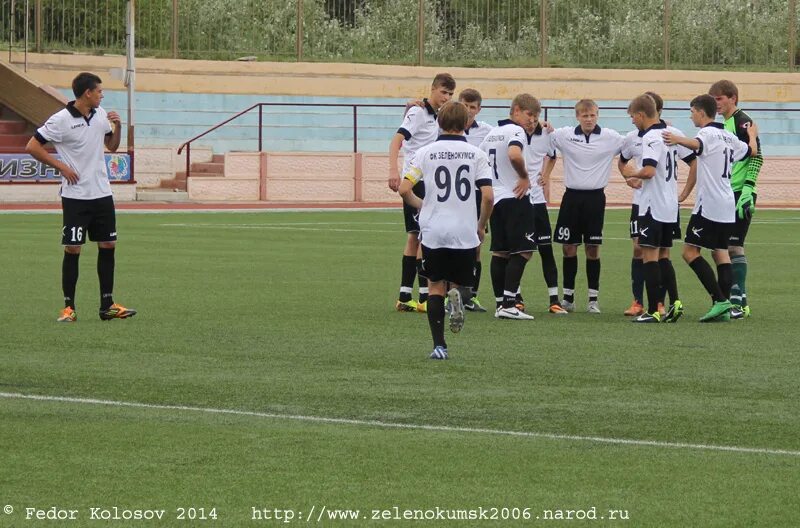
(745, 34)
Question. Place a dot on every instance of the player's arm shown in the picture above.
(746, 206)
(648, 170)
(547, 169)
(487, 204)
(394, 153)
(675, 139)
(691, 180)
(35, 148)
(405, 189)
(517, 159)
(112, 140)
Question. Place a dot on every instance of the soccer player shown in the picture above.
(541, 158)
(743, 180)
(419, 128)
(450, 230)
(714, 213)
(475, 132)
(513, 240)
(632, 149)
(78, 133)
(658, 208)
(587, 151)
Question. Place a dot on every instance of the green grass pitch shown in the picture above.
(288, 314)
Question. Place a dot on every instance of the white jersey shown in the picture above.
(719, 150)
(496, 144)
(538, 146)
(450, 169)
(476, 133)
(659, 193)
(80, 142)
(587, 157)
(419, 128)
(631, 151)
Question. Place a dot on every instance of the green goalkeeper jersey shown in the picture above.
(745, 171)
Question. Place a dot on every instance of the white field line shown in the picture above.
(390, 425)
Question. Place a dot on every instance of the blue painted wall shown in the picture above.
(172, 118)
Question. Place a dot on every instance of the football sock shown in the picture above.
(105, 272)
(422, 282)
(652, 280)
(69, 278)
(497, 269)
(436, 319)
(570, 265)
(514, 270)
(550, 271)
(409, 271)
(668, 279)
(704, 272)
(593, 277)
(477, 278)
(637, 280)
(725, 278)
(738, 292)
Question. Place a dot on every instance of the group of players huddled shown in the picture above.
(461, 176)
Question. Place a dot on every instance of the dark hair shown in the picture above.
(658, 100)
(445, 80)
(470, 95)
(453, 116)
(726, 88)
(526, 102)
(645, 104)
(706, 103)
(84, 81)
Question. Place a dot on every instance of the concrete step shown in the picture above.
(218, 158)
(173, 184)
(208, 168)
(181, 175)
(161, 195)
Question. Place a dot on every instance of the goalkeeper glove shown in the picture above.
(745, 207)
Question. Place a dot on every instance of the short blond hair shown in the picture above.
(585, 104)
(644, 104)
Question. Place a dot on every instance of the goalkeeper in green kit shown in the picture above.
(743, 182)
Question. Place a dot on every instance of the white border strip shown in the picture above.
(390, 425)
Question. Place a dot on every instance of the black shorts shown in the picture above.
(512, 226)
(705, 233)
(446, 264)
(634, 220)
(96, 218)
(543, 233)
(411, 214)
(581, 217)
(739, 230)
(655, 234)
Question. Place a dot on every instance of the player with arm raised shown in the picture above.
(714, 213)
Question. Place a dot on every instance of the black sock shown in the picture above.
(652, 280)
(436, 319)
(550, 271)
(409, 271)
(725, 279)
(476, 278)
(514, 271)
(668, 280)
(637, 280)
(105, 272)
(497, 269)
(593, 277)
(422, 282)
(706, 276)
(570, 265)
(69, 277)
